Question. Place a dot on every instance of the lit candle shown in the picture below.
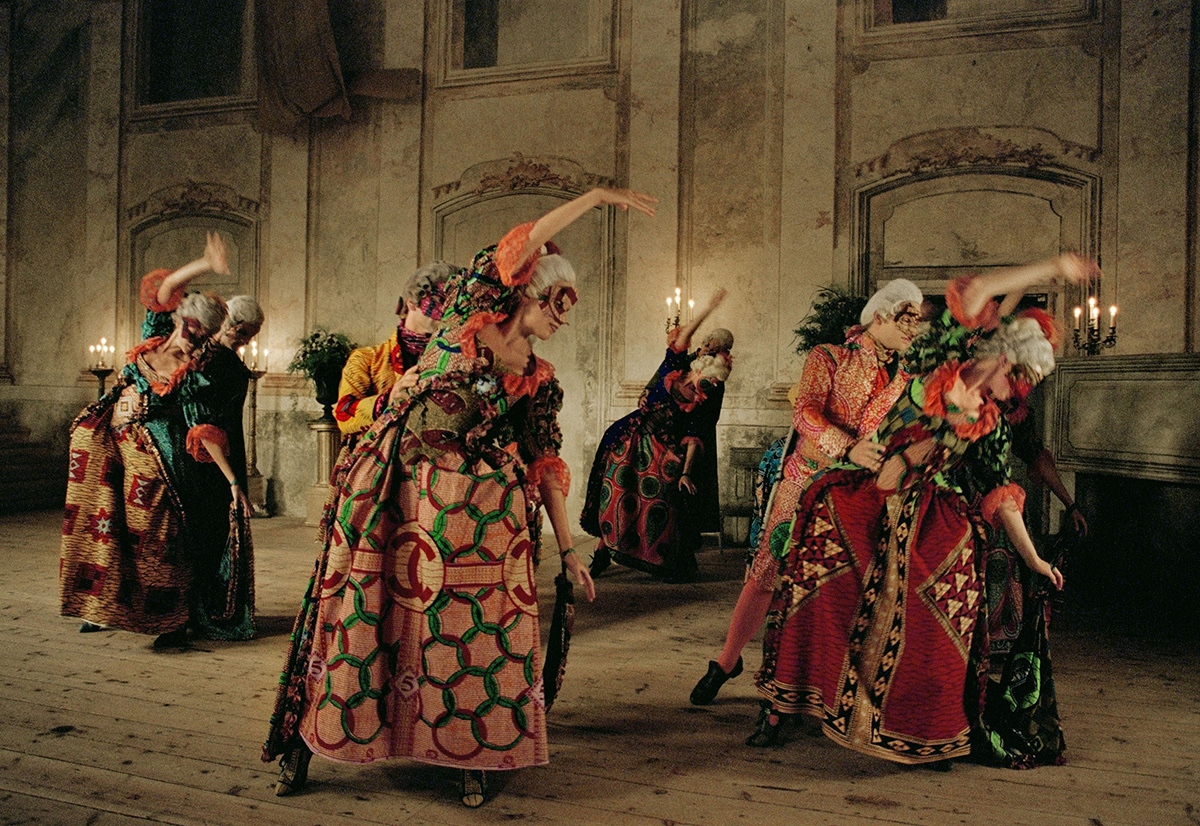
(1112, 319)
(266, 353)
(1093, 314)
(1078, 313)
(92, 357)
(242, 354)
(103, 351)
(254, 354)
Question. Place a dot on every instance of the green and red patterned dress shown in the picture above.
(634, 504)
(418, 636)
(878, 624)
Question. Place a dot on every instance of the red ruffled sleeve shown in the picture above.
(195, 443)
(149, 292)
(508, 256)
(997, 498)
(552, 469)
(988, 318)
(673, 343)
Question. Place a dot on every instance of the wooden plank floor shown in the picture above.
(101, 730)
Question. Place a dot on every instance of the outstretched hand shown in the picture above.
(686, 484)
(216, 256)
(1077, 269)
(623, 199)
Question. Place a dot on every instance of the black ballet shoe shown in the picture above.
(172, 639)
(293, 770)
(601, 559)
(769, 731)
(472, 787)
(706, 690)
(91, 627)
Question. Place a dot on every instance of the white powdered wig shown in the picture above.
(549, 271)
(206, 309)
(723, 337)
(1023, 342)
(890, 299)
(422, 282)
(243, 309)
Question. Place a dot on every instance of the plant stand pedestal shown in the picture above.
(328, 437)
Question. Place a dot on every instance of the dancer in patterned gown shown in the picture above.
(144, 519)
(637, 495)
(873, 624)
(843, 394)
(418, 636)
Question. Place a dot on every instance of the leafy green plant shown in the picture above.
(833, 312)
(321, 353)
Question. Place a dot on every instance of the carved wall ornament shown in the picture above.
(971, 146)
(194, 198)
(519, 173)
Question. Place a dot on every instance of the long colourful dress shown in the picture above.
(878, 625)
(634, 504)
(145, 520)
(418, 636)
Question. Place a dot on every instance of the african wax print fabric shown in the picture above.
(147, 511)
(872, 625)
(843, 394)
(878, 624)
(418, 636)
(123, 562)
(368, 376)
(634, 504)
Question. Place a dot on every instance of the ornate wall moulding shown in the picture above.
(518, 173)
(942, 203)
(944, 149)
(194, 198)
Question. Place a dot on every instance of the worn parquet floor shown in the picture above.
(101, 730)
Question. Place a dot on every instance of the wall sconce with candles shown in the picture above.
(100, 363)
(1091, 340)
(673, 320)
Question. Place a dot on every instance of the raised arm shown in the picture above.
(563, 216)
(1069, 268)
(215, 259)
(683, 340)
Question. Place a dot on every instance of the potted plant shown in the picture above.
(321, 357)
(834, 311)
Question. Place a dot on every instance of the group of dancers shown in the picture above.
(417, 635)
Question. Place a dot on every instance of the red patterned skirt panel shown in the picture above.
(122, 563)
(426, 642)
(871, 627)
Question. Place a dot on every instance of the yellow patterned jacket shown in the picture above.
(367, 379)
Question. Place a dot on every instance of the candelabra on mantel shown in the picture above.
(673, 321)
(1091, 339)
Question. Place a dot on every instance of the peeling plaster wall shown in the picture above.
(756, 123)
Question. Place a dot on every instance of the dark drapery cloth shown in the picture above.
(299, 73)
